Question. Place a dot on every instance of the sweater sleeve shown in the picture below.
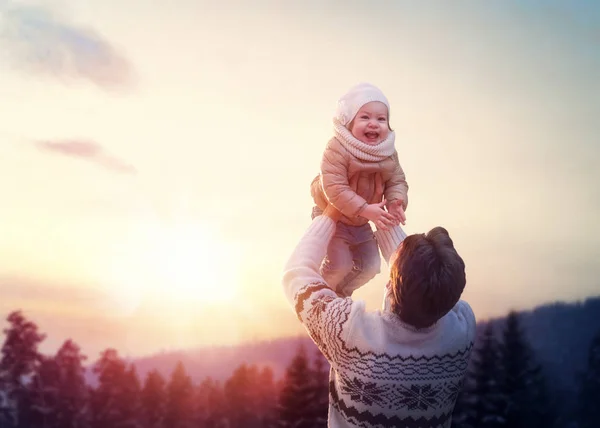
(465, 313)
(389, 241)
(323, 312)
(396, 188)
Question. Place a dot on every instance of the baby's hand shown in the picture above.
(376, 214)
(395, 208)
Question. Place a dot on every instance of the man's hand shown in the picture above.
(395, 208)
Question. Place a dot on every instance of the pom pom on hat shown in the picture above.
(355, 98)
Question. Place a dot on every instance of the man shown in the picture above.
(402, 366)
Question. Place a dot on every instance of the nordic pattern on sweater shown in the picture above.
(381, 367)
(384, 373)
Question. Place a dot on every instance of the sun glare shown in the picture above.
(176, 268)
(193, 264)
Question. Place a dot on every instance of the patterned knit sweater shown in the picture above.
(384, 373)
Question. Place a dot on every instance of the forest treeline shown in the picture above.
(506, 387)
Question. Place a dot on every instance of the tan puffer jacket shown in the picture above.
(338, 165)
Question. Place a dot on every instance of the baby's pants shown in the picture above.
(352, 258)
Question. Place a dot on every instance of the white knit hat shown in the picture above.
(358, 96)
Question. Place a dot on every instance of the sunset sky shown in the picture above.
(156, 156)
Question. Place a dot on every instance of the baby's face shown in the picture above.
(370, 125)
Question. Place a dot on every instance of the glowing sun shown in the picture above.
(190, 263)
(177, 266)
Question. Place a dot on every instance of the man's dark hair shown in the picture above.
(427, 278)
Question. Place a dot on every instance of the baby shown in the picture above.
(362, 151)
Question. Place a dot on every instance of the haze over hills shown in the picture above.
(559, 333)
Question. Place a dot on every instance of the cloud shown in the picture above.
(91, 298)
(25, 289)
(40, 42)
(87, 150)
(88, 315)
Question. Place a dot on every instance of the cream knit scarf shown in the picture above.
(362, 150)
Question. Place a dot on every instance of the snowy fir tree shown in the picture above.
(179, 412)
(153, 400)
(240, 397)
(589, 395)
(210, 404)
(459, 413)
(19, 362)
(39, 405)
(57, 395)
(297, 397)
(109, 400)
(516, 362)
(505, 387)
(542, 411)
(321, 389)
(130, 403)
(522, 383)
(6, 417)
(482, 392)
(267, 397)
(72, 406)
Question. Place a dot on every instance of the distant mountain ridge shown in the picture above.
(559, 333)
(219, 362)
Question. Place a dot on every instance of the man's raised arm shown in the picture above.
(389, 241)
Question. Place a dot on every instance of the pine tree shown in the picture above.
(296, 399)
(56, 395)
(180, 406)
(523, 383)
(483, 404)
(153, 400)
(71, 410)
(106, 398)
(267, 397)
(241, 399)
(589, 395)
(20, 360)
(210, 405)
(543, 406)
(461, 408)
(515, 362)
(130, 403)
(39, 405)
(321, 389)
(6, 414)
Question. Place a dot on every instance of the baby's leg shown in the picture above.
(367, 264)
(338, 261)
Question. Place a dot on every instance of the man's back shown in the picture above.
(386, 373)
